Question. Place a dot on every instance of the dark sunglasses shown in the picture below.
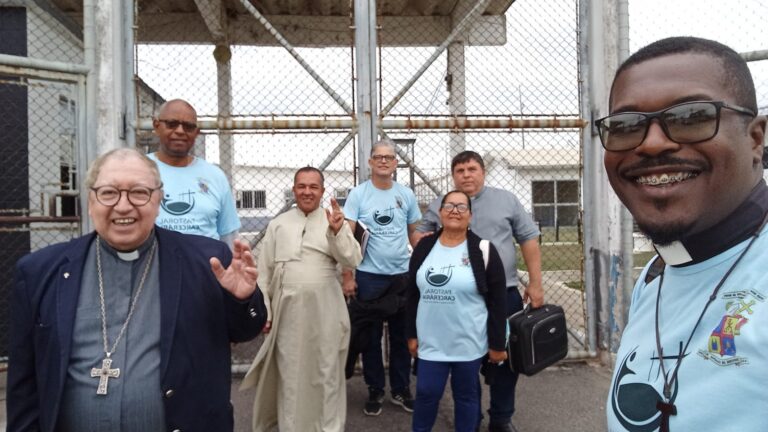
(173, 124)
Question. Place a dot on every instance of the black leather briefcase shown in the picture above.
(537, 338)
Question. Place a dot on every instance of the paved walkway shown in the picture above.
(567, 398)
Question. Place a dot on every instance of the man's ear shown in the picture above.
(757, 136)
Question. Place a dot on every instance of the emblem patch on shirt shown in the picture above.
(636, 392)
(384, 217)
(202, 184)
(721, 346)
(182, 204)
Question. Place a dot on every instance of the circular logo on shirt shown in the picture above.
(439, 278)
(384, 217)
(182, 206)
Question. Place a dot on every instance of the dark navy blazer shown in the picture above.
(198, 319)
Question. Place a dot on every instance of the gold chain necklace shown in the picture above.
(105, 371)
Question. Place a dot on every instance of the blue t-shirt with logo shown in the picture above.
(451, 320)
(387, 214)
(197, 199)
(721, 382)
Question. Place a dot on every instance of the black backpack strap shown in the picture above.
(655, 269)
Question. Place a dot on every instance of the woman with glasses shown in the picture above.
(455, 314)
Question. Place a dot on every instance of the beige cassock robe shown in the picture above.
(299, 370)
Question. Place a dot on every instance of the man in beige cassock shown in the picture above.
(299, 370)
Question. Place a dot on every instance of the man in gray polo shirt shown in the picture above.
(498, 216)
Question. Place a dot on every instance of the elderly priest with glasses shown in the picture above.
(128, 328)
(684, 148)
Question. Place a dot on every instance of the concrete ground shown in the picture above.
(569, 397)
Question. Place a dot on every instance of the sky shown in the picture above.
(535, 73)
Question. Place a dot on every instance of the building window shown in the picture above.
(341, 196)
(556, 202)
(252, 199)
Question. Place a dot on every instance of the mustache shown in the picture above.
(665, 161)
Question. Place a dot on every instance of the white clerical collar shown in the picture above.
(674, 253)
(128, 256)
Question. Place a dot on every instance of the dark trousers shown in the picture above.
(430, 387)
(371, 286)
(503, 387)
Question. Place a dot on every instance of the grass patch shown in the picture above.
(569, 257)
(577, 285)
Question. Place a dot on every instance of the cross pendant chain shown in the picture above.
(104, 374)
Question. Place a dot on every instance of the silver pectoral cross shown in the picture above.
(104, 374)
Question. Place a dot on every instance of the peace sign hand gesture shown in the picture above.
(335, 216)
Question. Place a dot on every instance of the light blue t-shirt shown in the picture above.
(387, 214)
(452, 319)
(722, 378)
(197, 199)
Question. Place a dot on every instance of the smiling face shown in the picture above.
(124, 226)
(383, 161)
(453, 220)
(308, 190)
(674, 190)
(176, 143)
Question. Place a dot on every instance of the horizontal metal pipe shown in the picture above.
(33, 63)
(444, 123)
(20, 220)
(751, 56)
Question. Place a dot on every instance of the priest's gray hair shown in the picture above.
(121, 154)
(384, 143)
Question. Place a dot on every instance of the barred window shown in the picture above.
(252, 199)
(556, 202)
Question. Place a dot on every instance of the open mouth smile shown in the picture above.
(665, 178)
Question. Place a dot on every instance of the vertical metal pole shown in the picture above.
(129, 69)
(87, 111)
(365, 45)
(598, 62)
(223, 56)
(627, 222)
(456, 93)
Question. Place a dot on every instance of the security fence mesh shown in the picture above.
(741, 26)
(513, 60)
(296, 61)
(38, 187)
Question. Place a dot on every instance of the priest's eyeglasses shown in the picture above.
(138, 196)
(685, 123)
(460, 208)
(385, 158)
(173, 124)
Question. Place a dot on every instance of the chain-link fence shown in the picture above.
(491, 63)
(39, 202)
(510, 61)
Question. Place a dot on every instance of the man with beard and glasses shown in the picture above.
(684, 148)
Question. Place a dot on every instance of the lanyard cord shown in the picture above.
(668, 381)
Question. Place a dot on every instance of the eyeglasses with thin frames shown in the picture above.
(685, 123)
(138, 196)
(385, 158)
(173, 124)
(460, 207)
